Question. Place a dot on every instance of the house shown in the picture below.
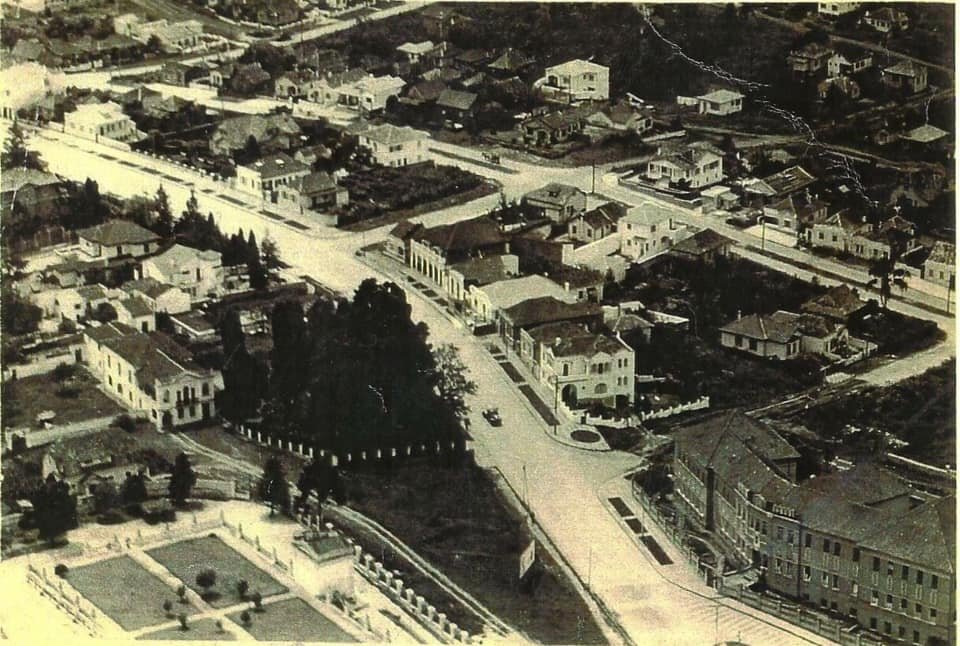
(847, 62)
(152, 375)
(160, 297)
(466, 276)
(648, 230)
(397, 244)
(795, 212)
(34, 193)
(718, 197)
(423, 53)
(836, 9)
(116, 238)
(557, 202)
(471, 60)
(886, 20)
(487, 301)
(784, 335)
(532, 313)
(182, 74)
(596, 223)
(220, 73)
(273, 133)
(778, 186)
(696, 166)
(551, 128)
(827, 540)
(575, 81)
(432, 250)
(621, 117)
(197, 272)
(310, 155)
(846, 85)
(424, 92)
(193, 325)
(906, 76)
(96, 120)
(265, 177)
(366, 94)
(720, 102)
(456, 107)
(389, 145)
(705, 245)
(76, 303)
(174, 37)
(136, 313)
(317, 191)
(580, 365)
(509, 64)
(438, 20)
(941, 265)
(841, 304)
(810, 59)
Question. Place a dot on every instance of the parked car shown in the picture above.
(492, 415)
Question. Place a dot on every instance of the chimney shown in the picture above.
(739, 315)
(566, 285)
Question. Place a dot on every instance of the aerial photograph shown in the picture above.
(420, 322)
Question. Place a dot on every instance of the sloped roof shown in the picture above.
(721, 96)
(465, 235)
(943, 252)
(317, 182)
(779, 327)
(118, 232)
(576, 66)
(547, 309)
(150, 287)
(702, 241)
(925, 134)
(276, 165)
(405, 229)
(111, 330)
(13, 179)
(605, 214)
(427, 90)
(510, 60)
(507, 293)
(136, 306)
(174, 259)
(789, 180)
(416, 48)
(154, 355)
(839, 303)
(388, 134)
(925, 535)
(456, 99)
(553, 193)
(483, 271)
(905, 68)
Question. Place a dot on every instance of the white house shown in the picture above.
(96, 120)
(137, 313)
(835, 9)
(117, 238)
(719, 102)
(579, 365)
(698, 166)
(487, 300)
(160, 297)
(152, 375)
(647, 230)
(197, 272)
(264, 177)
(887, 19)
(576, 80)
(417, 51)
(389, 145)
(847, 63)
(940, 267)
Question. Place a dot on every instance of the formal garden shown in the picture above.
(290, 620)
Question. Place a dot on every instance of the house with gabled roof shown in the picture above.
(198, 272)
(841, 303)
(487, 301)
(907, 76)
(596, 223)
(575, 81)
(389, 145)
(621, 117)
(160, 297)
(265, 177)
(432, 250)
(557, 202)
(940, 267)
(116, 238)
(534, 312)
(696, 166)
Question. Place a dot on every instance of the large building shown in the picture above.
(940, 267)
(575, 81)
(860, 542)
(265, 177)
(696, 166)
(197, 272)
(101, 120)
(389, 145)
(152, 375)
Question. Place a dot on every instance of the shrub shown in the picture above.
(245, 618)
(182, 618)
(206, 578)
(168, 608)
(125, 422)
(111, 517)
(257, 600)
(242, 588)
(61, 570)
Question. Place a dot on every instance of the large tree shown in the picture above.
(182, 479)
(453, 385)
(15, 152)
(54, 509)
(163, 225)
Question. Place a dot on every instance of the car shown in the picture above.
(492, 415)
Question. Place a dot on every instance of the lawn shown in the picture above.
(127, 593)
(292, 620)
(455, 518)
(186, 559)
(79, 400)
(203, 630)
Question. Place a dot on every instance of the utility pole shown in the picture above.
(556, 401)
(949, 289)
(763, 233)
(593, 174)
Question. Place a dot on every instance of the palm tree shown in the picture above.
(886, 272)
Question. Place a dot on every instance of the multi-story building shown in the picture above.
(696, 166)
(940, 267)
(265, 177)
(389, 145)
(116, 238)
(197, 272)
(431, 251)
(575, 81)
(907, 76)
(647, 230)
(558, 202)
(835, 9)
(810, 59)
(152, 375)
(859, 543)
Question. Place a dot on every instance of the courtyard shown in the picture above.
(292, 620)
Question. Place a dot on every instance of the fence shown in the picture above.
(38, 438)
(699, 404)
(66, 598)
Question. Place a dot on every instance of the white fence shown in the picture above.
(39, 438)
(66, 598)
(699, 404)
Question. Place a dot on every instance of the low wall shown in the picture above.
(700, 404)
(39, 438)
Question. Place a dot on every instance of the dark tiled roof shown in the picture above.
(838, 303)
(456, 99)
(405, 229)
(925, 535)
(605, 214)
(465, 235)
(148, 286)
(155, 356)
(136, 307)
(107, 331)
(277, 165)
(483, 271)
(117, 232)
(706, 436)
(702, 242)
(789, 180)
(778, 327)
(553, 193)
(547, 309)
(317, 182)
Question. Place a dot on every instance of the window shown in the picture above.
(778, 566)
(826, 546)
(905, 573)
(856, 554)
(889, 604)
(874, 598)
(876, 564)
(890, 568)
(916, 636)
(824, 579)
(806, 572)
(854, 588)
(873, 623)
(836, 549)
(790, 536)
(903, 605)
(779, 533)
(205, 388)
(753, 344)
(807, 540)
(887, 628)
(919, 577)
(933, 613)
(166, 396)
(738, 341)
(934, 581)
(835, 583)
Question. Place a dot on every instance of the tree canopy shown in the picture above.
(182, 479)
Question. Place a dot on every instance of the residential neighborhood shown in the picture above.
(445, 322)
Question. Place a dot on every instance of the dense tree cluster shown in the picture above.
(349, 375)
(54, 509)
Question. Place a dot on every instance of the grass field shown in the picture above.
(124, 591)
(292, 620)
(186, 559)
(26, 397)
(203, 630)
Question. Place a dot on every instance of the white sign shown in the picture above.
(527, 558)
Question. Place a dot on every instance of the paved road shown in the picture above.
(560, 481)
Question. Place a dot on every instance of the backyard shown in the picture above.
(186, 559)
(455, 518)
(292, 620)
(73, 400)
(126, 592)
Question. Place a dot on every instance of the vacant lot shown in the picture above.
(124, 591)
(292, 620)
(203, 630)
(187, 558)
(455, 518)
(74, 401)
